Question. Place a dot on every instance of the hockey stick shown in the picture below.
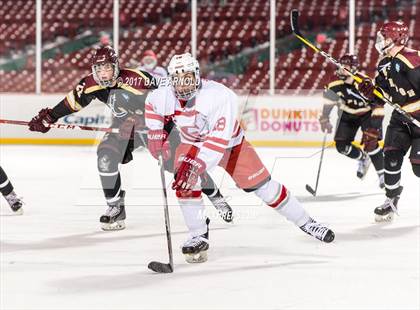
(294, 14)
(66, 126)
(157, 266)
(309, 188)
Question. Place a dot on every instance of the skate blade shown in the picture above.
(18, 212)
(15, 213)
(384, 218)
(361, 176)
(118, 225)
(196, 258)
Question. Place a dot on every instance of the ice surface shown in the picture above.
(56, 256)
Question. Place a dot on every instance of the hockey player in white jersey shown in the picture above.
(205, 112)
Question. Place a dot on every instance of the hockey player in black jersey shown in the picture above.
(354, 112)
(398, 78)
(124, 92)
(7, 190)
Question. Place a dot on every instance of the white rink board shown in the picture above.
(270, 120)
(56, 257)
(24, 107)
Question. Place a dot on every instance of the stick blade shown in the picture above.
(160, 267)
(294, 15)
(310, 190)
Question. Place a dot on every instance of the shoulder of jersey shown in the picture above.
(409, 57)
(362, 75)
(212, 90)
(334, 84)
(213, 85)
(384, 60)
(159, 92)
(127, 72)
(90, 84)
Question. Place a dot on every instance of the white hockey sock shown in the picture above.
(280, 199)
(194, 216)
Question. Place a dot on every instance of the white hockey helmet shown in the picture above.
(184, 88)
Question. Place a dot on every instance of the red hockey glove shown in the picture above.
(188, 173)
(129, 125)
(158, 143)
(366, 88)
(37, 122)
(325, 124)
(370, 139)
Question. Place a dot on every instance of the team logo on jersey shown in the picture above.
(116, 111)
(385, 67)
(350, 92)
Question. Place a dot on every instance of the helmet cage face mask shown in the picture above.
(193, 83)
(383, 45)
(103, 57)
(101, 66)
(391, 34)
(177, 69)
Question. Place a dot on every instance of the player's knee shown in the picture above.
(393, 160)
(258, 186)
(416, 169)
(189, 194)
(343, 147)
(371, 146)
(107, 161)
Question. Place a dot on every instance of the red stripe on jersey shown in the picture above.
(282, 197)
(186, 113)
(148, 107)
(154, 116)
(188, 194)
(213, 147)
(188, 137)
(218, 140)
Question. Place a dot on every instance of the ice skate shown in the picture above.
(318, 231)
(386, 211)
(114, 217)
(363, 166)
(221, 205)
(195, 248)
(15, 203)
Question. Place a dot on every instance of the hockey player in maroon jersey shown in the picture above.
(124, 92)
(398, 78)
(354, 112)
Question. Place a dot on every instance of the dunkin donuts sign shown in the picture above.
(284, 118)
